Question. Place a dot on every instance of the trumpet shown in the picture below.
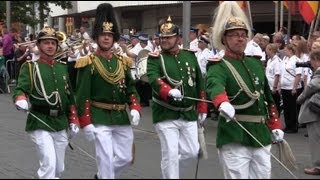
(74, 45)
(27, 43)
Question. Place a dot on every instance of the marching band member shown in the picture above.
(104, 88)
(239, 89)
(45, 84)
(173, 74)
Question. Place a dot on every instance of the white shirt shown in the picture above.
(289, 71)
(194, 46)
(86, 36)
(76, 55)
(253, 49)
(272, 69)
(202, 58)
(136, 49)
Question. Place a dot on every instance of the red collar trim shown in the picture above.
(46, 61)
(233, 55)
(105, 54)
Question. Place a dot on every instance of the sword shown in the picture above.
(69, 143)
(28, 112)
(197, 99)
(235, 120)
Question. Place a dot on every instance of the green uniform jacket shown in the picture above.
(55, 78)
(220, 80)
(93, 87)
(183, 66)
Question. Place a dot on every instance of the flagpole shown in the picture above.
(317, 21)
(249, 12)
(281, 14)
(276, 16)
(311, 28)
(289, 20)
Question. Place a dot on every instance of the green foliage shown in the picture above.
(23, 11)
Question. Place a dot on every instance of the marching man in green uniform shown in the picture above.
(174, 75)
(104, 89)
(45, 83)
(238, 87)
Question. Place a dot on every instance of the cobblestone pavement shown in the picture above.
(18, 158)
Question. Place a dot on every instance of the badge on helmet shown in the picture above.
(169, 29)
(105, 22)
(47, 33)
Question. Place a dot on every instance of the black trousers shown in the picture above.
(145, 92)
(290, 108)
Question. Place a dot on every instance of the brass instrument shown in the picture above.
(27, 43)
(74, 45)
(61, 36)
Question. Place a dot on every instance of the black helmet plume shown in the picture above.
(105, 22)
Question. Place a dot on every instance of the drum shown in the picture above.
(141, 65)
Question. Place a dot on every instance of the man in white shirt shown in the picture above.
(193, 35)
(84, 34)
(204, 54)
(253, 48)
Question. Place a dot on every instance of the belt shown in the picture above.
(171, 107)
(250, 118)
(108, 106)
(47, 110)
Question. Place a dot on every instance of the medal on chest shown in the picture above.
(190, 81)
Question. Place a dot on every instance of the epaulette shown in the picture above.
(127, 61)
(84, 61)
(29, 61)
(214, 59)
(154, 54)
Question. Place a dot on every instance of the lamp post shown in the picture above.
(8, 14)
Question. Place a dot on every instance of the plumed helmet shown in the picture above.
(47, 33)
(228, 16)
(169, 29)
(235, 23)
(105, 22)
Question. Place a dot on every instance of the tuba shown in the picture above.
(61, 36)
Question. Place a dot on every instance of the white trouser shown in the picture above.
(244, 162)
(113, 146)
(51, 147)
(179, 146)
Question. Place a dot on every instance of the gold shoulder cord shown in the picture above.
(110, 77)
(31, 76)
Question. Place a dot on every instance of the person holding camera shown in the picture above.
(291, 88)
(309, 117)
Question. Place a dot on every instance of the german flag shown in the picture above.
(290, 5)
(308, 10)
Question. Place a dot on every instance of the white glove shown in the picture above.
(202, 117)
(73, 130)
(22, 105)
(135, 117)
(176, 94)
(277, 135)
(227, 110)
(89, 131)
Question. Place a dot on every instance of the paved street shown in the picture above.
(18, 158)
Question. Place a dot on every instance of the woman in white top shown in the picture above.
(302, 52)
(273, 72)
(291, 88)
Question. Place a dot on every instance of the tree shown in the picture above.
(44, 8)
(23, 11)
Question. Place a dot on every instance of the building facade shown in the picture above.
(145, 15)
